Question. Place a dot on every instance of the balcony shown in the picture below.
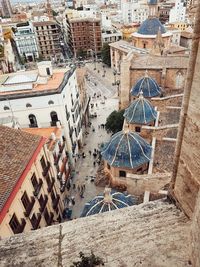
(55, 202)
(29, 207)
(36, 222)
(61, 147)
(50, 186)
(53, 123)
(20, 227)
(33, 125)
(43, 204)
(67, 115)
(48, 217)
(37, 190)
(46, 169)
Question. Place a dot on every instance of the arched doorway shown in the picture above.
(33, 121)
(54, 118)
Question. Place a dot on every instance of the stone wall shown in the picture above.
(187, 182)
(195, 235)
(149, 235)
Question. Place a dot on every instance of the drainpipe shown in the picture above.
(186, 97)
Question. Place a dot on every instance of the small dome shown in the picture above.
(147, 86)
(110, 200)
(151, 26)
(126, 149)
(140, 111)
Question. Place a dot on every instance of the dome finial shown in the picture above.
(107, 195)
(141, 95)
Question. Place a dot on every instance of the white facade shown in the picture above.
(178, 12)
(176, 36)
(46, 110)
(26, 42)
(134, 11)
(111, 35)
(1, 35)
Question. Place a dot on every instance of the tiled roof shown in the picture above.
(140, 111)
(151, 26)
(16, 150)
(147, 86)
(110, 200)
(126, 149)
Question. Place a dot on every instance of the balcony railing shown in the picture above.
(53, 123)
(36, 223)
(43, 204)
(33, 125)
(50, 186)
(20, 227)
(46, 169)
(37, 190)
(55, 202)
(62, 147)
(48, 217)
(29, 207)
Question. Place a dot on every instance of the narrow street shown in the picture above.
(85, 168)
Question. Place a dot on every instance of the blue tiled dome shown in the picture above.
(108, 201)
(140, 111)
(151, 26)
(147, 86)
(126, 149)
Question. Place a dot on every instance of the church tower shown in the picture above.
(153, 8)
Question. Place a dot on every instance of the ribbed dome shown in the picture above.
(110, 200)
(151, 26)
(140, 111)
(147, 86)
(126, 149)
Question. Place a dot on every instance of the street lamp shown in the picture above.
(118, 84)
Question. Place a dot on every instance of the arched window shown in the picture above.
(54, 118)
(33, 121)
(28, 105)
(6, 108)
(50, 102)
(122, 174)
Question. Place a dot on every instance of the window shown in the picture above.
(14, 223)
(43, 163)
(6, 108)
(54, 118)
(33, 121)
(108, 166)
(25, 200)
(138, 129)
(34, 181)
(28, 105)
(122, 174)
(48, 71)
(50, 102)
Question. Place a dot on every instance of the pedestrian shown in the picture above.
(73, 200)
(83, 187)
(78, 188)
(94, 163)
(90, 152)
(74, 186)
(96, 105)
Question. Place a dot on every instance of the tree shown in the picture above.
(105, 54)
(88, 261)
(115, 120)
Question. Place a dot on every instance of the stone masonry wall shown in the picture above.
(187, 182)
(195, 235)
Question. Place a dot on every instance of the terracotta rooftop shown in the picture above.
(43, 23)
(42, 85)
(16, 150)
(46, 132)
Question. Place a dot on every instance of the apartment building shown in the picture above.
(48, 36)
(44, 98)
(29, 192)
(25, 39)
(84, 35)
(110, 35)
